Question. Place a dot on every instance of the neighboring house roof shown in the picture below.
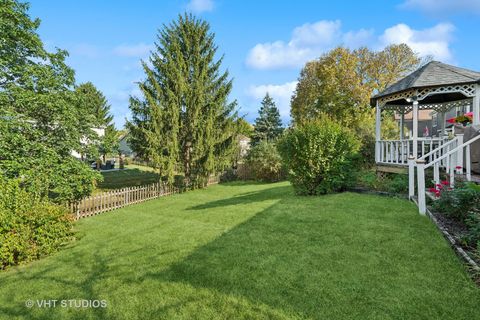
(423, 115)
(123, 145)
(432, 74)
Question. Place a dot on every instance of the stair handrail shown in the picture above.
(428, 165)
(421, 166)
(438, 148)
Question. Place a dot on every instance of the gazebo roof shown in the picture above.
(433, 74)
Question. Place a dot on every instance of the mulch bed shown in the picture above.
(454, 231)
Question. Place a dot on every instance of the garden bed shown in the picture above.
(455, 231)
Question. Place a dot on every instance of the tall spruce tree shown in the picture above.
(184, 118)
(268, 125)
(95, 105)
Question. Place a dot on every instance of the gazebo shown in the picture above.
(435, 86)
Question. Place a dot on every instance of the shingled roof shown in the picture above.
(432, 74)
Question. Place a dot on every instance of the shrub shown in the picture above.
(319, 157)
(457, 202)
(392, 183)
(473, 225)
(264, 162)
(30, 227)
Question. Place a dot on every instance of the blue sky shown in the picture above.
(265, 43)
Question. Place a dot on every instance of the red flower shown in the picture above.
(445, 182)
(458, 167)
(437, 194)
(433, 190)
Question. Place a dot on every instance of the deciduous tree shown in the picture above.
(41, 121)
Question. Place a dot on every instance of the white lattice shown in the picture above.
(397, 96)
(467, 90)
(439, 107)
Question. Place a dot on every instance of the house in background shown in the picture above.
(244, 144)
(100, 133)
(124, 147)
(430, 119)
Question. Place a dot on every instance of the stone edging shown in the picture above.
(453, 242)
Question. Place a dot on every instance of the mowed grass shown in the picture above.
(251, 251)
(131, 176)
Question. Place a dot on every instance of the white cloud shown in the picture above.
(140, 50)
(310, 41)
(199, 6)
(321, 33)
(443, 6)
(281, 94)
(433, 41)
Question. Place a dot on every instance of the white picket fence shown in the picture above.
(119, 198)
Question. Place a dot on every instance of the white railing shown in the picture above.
(398, 151)
(454, 165)
(443, 149)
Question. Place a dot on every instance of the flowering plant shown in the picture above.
(464, 119)
(437, 189)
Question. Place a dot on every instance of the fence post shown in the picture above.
(411, 177)
(422, 208)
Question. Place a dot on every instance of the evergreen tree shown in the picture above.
(138, 127)
(185, 119)
(268, 125)
(95, 105)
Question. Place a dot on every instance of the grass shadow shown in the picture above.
(325, 258)
(127, 178)
(246, 198)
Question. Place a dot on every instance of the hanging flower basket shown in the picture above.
(464, 119)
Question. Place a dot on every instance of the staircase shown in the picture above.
(448, 157)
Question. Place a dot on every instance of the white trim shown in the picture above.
(378, 132)
(415, 128)
(476, 105)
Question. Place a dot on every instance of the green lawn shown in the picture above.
(251, 251)
(133, 175)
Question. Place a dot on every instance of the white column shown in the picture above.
(459, 165)
(415, 128)
(378, 132)
(476, 106)
(402, 121)
(443, 120)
